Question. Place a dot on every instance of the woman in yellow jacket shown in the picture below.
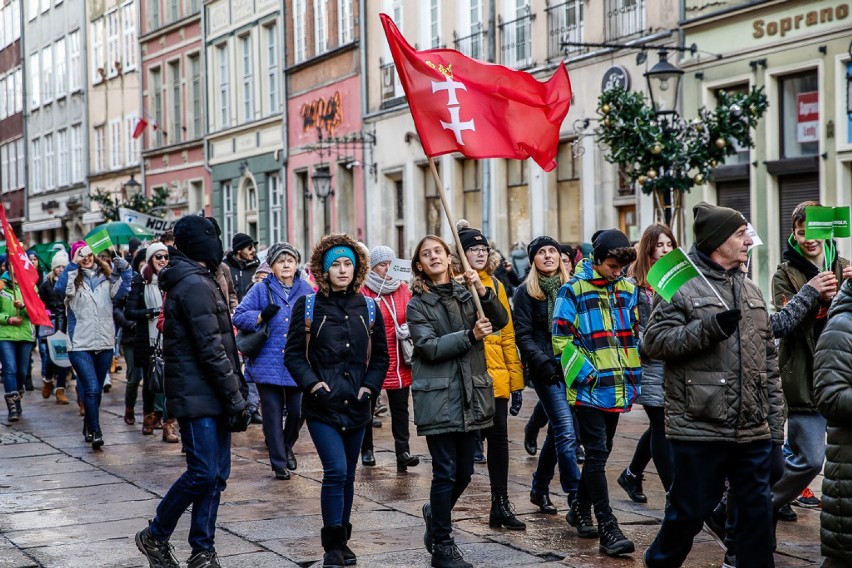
(504, 366)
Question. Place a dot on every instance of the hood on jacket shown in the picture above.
(241, 264)
(585, 270)
(362, 263)
(179, 268)
(491, 265)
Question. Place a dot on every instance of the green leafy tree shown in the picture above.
(138, 202)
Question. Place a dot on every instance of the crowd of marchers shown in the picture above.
(744, 403)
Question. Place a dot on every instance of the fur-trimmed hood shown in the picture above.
(362, 263)
(494, 259)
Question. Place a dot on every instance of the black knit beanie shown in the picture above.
(471, 237)
(196, 237)
(607, 241)
(540, 242)
(713, 225)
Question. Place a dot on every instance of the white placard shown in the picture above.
(154, 224)
(755, 239)
(400, 269)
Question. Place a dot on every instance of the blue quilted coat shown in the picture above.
(268, 367)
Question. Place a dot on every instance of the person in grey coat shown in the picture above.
(453, 393)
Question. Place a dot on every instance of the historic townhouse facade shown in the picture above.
(512, 201)
(173, 94)
(114, 99)
(799, 52)
(12, 141)
(243, 43)
(56, 123)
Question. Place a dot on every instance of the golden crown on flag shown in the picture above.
(445, 71)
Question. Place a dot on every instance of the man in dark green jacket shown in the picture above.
(804, 259)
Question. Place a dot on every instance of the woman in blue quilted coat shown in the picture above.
(271, 301)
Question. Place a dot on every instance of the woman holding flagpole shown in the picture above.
(90, 285)
(16, 344)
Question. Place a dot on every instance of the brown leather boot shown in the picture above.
(60, 396)
(158, 420)
(129, 417)
(148, 424)
(170, 431)
(46, 388)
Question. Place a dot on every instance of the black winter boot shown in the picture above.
(349, 558)
(502, 514)
(333, 540)
(613, 542)
(580, 517)
(448, 555)
(13, 403)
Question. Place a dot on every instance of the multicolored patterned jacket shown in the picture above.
(600, 318)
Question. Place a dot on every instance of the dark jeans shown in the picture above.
(538, 419)
(273, 400)
(15, 358)
(398, 404)
(207, 442)
(597, 428)
(338, 452)
(560, 444)
(498, 448)
(452, 468)
(699, 481)
(91, 368)
(653, 444)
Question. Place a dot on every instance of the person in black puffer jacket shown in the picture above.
(341, 366)
(205, 391)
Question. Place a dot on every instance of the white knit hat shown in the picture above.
(59, 259)
(153, 249)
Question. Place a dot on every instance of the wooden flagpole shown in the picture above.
(452, 222)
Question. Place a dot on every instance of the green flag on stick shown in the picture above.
(841, 222)
(572, 363)
(670, 273)
(99, 242)
(819, 223)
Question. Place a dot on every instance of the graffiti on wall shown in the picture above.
(322, 113)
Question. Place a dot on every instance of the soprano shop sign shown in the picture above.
(807, 124)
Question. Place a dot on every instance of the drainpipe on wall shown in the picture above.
(362, 46)
(206, 144)
(285, 151)
(486, 164)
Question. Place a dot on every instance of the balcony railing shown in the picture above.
(391, 87)
(564, 24)
(624, 18)
(516, 41)
(474, 44)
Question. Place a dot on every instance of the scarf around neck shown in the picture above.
(550, 286)
(153, 299)
(387, 286)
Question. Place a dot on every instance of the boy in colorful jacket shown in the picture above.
(595, 320)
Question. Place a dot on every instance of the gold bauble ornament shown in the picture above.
(752, 109)
(713, 163)
(606, 122)
(641, 180)
(698, 179)
(605, 108)
(651, 174)
(721, 143)
(656, 148)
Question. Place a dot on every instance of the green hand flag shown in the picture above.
(572, 363)
(670, 273)
(819, 223)
(841, 222)
(99, 242)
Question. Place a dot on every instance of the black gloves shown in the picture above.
(728, 320)
(517, 402)
(239, 422)
(269, 312)
(152, 313)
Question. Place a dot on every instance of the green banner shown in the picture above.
(670, 273)
(572, 363)
(99, 242)
(841, 222)
(819, 223)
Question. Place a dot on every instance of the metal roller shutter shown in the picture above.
(735, 194)
(794, 189)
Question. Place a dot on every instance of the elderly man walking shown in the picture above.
(724, 405)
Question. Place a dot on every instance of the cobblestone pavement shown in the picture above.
(64, 505)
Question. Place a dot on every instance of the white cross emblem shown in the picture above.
(450, 86)
(456, 125)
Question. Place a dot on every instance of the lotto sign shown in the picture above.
(807, 110)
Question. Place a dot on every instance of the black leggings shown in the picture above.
(653, 443)
(498, 448)
(398, 403)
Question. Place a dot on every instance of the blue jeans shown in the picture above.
(91, 368)
(338, 451)
(15, 357)
(560, 444)
(207, 442)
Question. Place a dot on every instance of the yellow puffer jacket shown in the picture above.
(501, 354)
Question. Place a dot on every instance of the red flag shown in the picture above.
(141, 123)
(25, 274)
(479, 109)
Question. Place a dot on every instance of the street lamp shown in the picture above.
(131, 187)
(664, 85)
(321, 178)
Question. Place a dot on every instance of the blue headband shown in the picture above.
(334, 253)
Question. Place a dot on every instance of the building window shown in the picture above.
(100, 148)
(432, 201)
(516, 37)
(113, 56)
(44, 6)
(74, 61)
(35, 179)
(434, 24)
(518, 192)
(568, 194)
(399, 221)
(47, 74)
(194, 6)
(564, 23)
(61, 73)
(299, 54)
(472, 44)
(62, 157)
(197, 113)
(224, 87)
(3, 98)
(153, 12)
(128, 36)
(115, 144)
(175, 124)
(345, 22)
(4, 167)
(800, 115)
(275, 208)
(624, 18)
(32, 10)
(248, 78)
(174, 14)
(196, 197)
(49, 164)
(98, 64)
(471, 191)
(156, 96)
(228, 207)
(19, 90)
(76, 153)
(320, 26)
(35, 81)
(272, 64)
(131, 144)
